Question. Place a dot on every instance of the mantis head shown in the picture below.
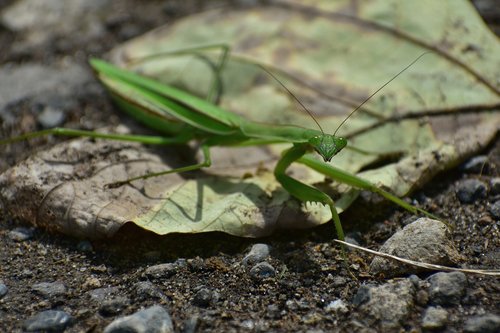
(327, 145)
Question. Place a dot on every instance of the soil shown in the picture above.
(310, 274)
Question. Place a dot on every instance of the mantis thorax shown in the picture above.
(327, 145)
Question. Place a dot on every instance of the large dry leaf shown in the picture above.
(334, 54)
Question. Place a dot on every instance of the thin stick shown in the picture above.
(493, 272)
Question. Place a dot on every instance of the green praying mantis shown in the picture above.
(187, 117)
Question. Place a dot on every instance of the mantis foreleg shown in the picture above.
(300, 190)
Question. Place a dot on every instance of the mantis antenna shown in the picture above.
(293, 96)
(380, 88)
(358, 107)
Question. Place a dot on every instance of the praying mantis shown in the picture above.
(187, 117)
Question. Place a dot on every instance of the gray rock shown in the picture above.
(154, 319)
(204, 297)
(41, 21)
(50, 289)
(385, 307)
(113, 305)
(3, 290)
(495, 210)
(447, 288)
(258, 253)
(47, 85)
(48, 321)
(146, 289)
(435, 318)
(21, 234)
(99, 295)
(495, 186)
(161, 271)
(477, 164)
(489, 323)
(262, 270)
(425, 240)
(471, 190)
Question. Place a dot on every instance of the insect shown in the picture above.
(187, 117)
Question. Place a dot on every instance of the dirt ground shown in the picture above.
(209, 288)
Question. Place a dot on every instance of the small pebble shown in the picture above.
(50, 289)
(262, 270)
(470, 190)
(181, 263)
(196, 264)
(161, 271)
(362, 295)
(489, 323)
(415, 280)
(3, 290)
(99, 269)
(146, 289)
(84, 246)
(477, 165)
(26, 273)
(91, 283)
(21, 234)
(422, 297)
(351, 240)
(273, 311)
(51, 117)
(258, 253)
(204, 297)
(337, 306)
(435, 318)
(154, 319)
(447, 288)
(389, 304)
(48, 321)
(494, 210)
(291, 305)
(339, 281)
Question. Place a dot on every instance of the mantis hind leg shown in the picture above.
(216, 87)
(302, 191)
